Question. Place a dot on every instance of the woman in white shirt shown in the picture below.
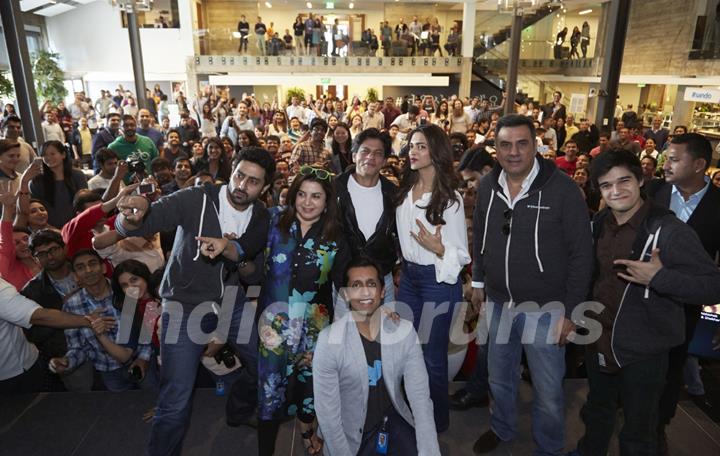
(433, 238)
(208, 123)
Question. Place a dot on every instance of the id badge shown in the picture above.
(381, 446)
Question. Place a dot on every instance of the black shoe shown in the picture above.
(249, 422)
(463, 400)
(486, 443)
(662, 444)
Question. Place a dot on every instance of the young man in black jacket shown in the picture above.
(212, 222)
(365, 200)
(688, 192)
(648, 266)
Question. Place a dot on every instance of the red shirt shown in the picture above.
(567, 166)
(77, 233)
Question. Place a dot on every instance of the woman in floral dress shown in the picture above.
(305, 256)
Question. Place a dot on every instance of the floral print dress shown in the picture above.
(296, 304)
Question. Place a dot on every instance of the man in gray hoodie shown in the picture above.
(533, 262)
(193, 282)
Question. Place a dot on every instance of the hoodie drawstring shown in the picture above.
(487, 218)
(202, 220)
(537, 224)
(654, 246)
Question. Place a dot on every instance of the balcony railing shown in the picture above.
(313, 64)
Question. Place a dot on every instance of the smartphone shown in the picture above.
(146, 189)
(37, 160)
(543, 149)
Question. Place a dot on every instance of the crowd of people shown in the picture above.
(374, 229)
(313, 34)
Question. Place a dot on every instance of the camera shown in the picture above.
(137, 166)
(225, 356)
(136, 374)
(146, 189)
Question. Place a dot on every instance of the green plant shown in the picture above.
(372, 95)
(295, 92)
(48, 77)
(6, 86)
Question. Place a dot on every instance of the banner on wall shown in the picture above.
(702, 95)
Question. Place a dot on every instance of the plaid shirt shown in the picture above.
(82, 343)
(305, 154)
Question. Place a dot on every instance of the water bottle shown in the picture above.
(220, 387)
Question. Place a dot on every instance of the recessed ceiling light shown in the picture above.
(308, 4)
(268, 4)
(351, 5)
(583, 12)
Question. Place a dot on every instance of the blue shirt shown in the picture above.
(684, 209)
(82, 342)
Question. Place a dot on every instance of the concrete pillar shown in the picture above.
(21, 70)
(468, 45)
(513, 60)
(136, 56)
(682, 110)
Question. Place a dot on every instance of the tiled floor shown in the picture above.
(107, 424)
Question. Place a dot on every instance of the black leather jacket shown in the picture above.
(383, 245)
(50, 341)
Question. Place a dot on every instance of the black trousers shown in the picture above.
(401, 438)
(637, 387)
(676, 363)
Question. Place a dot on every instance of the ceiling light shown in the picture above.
(583, 12)
(268, 4)
(351, 5)
(308, 4)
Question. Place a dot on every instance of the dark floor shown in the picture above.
(108, 424)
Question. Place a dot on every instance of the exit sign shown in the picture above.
(324, 80)
(330, 5)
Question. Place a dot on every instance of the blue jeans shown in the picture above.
(419, 290)
(477, 384)
(181, 351)
(691, 374)
(119, 380)
(547, 367)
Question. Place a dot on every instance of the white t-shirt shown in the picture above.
(98, 182)
(16, 354)
(233, 221)
(368, 203)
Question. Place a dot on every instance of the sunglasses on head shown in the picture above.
(318, 172)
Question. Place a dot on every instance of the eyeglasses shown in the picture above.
(508, 221)
(51, 251)
(318, 172)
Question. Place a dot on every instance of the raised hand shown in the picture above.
(212, 247)
(430, 241)
(133, 209)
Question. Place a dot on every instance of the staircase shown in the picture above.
(503, 34)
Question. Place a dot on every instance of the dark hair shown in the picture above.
(363, 261)
(650, 157)
(84, 252)
(111, 115)
(318, 122)
(569, 141)
(696, 145)
(275, 138)
(475, 159)
(104, 154)
(83, 197)
(176, 131)
(330, 220)
(604, 134)
(251, 137)
(158, 164)
(135, 268)
(374, 133)
(180, 159)
(683, 127)
(603, 163)
(335, 146)
(514, 120)
(412, 109)
(127, 117)
(224, 167)
(12, 118)
(460, 137)
(44, 237)
(445, 181)
(260, 157)
(48, 178)
(6, 145)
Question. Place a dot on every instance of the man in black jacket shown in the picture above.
(365, 199)
(649, 265)
(532, 247)
(50, 288)
(106, 136)
(688, 192)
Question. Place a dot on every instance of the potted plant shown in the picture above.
(48, 77)
(372, 95)
(6, 86)
(295, 92)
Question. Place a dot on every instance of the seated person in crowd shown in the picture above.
(369, 374)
